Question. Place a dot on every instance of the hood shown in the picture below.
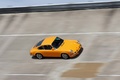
(70, 45)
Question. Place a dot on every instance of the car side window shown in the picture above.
(41, 47)
(48, 47)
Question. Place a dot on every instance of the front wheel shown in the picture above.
(39, 56)
(64, 56)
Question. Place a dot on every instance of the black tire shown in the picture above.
(64, 56)
(39, 56)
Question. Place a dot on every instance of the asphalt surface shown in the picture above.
(97, 30)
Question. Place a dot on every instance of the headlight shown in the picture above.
(78, 41)
(71, 51)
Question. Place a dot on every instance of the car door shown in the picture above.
(50, 51)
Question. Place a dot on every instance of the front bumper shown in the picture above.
(78, 53)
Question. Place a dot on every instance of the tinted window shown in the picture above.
(57, 42)
(39, 43)
(41, 47)
(47, 47)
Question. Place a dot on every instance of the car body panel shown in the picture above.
(50, 53)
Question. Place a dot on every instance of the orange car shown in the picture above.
(56, 47)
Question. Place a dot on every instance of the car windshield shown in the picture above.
(39, 43)
(57, 42)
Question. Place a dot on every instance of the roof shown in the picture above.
(48, 40)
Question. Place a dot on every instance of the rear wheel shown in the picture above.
(64, 56)
(39, 56)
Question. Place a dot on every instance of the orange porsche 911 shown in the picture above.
(56, 47)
